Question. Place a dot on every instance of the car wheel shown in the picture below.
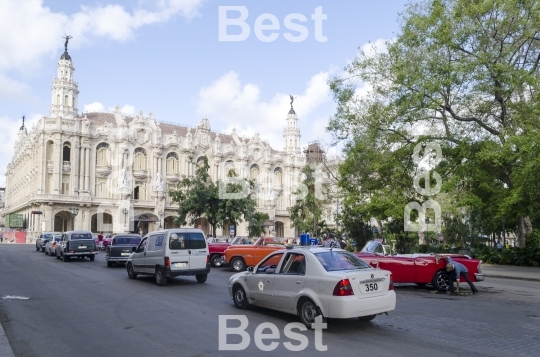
(215, 260)
(65, 258)
(308, 311)
(46, 252)
(92, 258)
(441, 281)
(240, 298)
(238, 264)
(367, 318)
(57, 256)
(42, 249)
(131, 272)
(161, 280)
(201, 278)
(109, 264)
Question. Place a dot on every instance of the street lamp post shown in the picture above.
(125, 211)
(160, 218)
(74, 211)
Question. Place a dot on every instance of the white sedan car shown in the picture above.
(312, 281)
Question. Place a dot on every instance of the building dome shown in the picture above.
(292, 111)
(65, 56)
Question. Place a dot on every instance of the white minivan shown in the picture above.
(169, 253)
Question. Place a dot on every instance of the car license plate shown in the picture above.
(82, 247)
(180, 265)
(370, 287)
(126, 253)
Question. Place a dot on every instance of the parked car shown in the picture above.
(169, 253)
(50, 246)
(121, 248)
(79, 244)
(421, 269)
(312, 281)
(43, 239)
(241, 256)
(217, 249)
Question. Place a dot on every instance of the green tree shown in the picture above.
(461, 73)
(310, 198)
(256, 224)
(199, 196)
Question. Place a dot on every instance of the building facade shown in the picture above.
(107, 172)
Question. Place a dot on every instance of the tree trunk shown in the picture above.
(524, 227)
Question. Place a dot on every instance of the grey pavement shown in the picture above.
(83, 308)
(511, 272)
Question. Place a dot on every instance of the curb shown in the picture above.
(5, 347)
(511, 277)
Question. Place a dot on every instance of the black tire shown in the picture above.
(43, 249)
(215, 260)
(92, 257)
(238, 264)
(240, 297)
(201, 278)
(367, 318)
(46, 253)
(130, 271)
(161, 279)
(57, 256)
(109, 264)
(441, 281)
(308, 311)
(65, 258)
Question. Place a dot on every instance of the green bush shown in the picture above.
(528, 256)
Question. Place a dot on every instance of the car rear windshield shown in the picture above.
(126, 240)
(187, 241)
(81, 236)
(336, 261)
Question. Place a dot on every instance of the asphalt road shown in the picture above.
(83, 308)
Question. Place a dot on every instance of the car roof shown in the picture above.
(311, 248)
(132, 235)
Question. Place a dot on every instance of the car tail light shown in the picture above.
(391, 286)
(71, 251)
(167, 262)
(343, 288)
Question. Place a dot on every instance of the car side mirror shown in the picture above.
(250, 269)
(134, 249)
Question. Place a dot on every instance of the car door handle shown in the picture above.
(298, 282)
(268, 281)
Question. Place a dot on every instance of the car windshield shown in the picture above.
(339, 260)
(57, 238)
(47, 236)
(126, 241)
(373, 247)
(81, 236)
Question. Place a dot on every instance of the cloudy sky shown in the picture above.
(167, 57)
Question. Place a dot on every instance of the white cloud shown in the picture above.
(30, 31)
(128, 110)
(8, 136)
(229, 103)
(95, 107)
(13, 89)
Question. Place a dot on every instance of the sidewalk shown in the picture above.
(511, 272)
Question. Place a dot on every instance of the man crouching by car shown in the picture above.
(457, 270)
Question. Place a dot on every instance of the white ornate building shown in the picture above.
(117, 170)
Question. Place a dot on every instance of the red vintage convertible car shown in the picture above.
(421, 269)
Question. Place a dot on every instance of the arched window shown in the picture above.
(229, 169)
(102, 189)
(66, 101)
(200, 161)
(278, 176)
(140, 161)
(66, 152)
(103, 155)
(254, 172)
(50, 150)
(173, 163)
(58, 102)
(139, 192)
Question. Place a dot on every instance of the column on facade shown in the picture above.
(56, 166)
(75, 167)
(87, 170)
(82, 154)
(91, 171)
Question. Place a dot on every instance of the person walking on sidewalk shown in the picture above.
(457, 270)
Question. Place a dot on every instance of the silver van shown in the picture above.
(169, 253)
